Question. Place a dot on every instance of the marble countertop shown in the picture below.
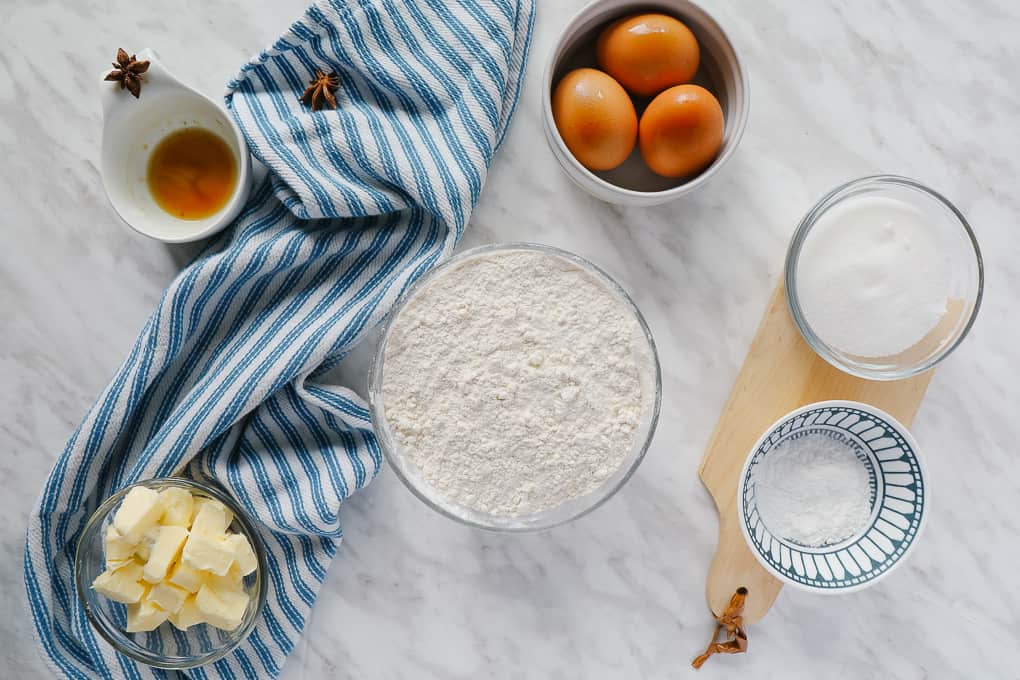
(838, 90)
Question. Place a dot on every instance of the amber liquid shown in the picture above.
(192, 173)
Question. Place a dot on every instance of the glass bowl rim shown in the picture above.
(375, 377)
(828, 201)
(248, 526)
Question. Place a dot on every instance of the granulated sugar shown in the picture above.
(812, 490)
(516, 381)
(872, 279)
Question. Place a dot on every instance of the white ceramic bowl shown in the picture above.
(131, 130)
(899, 498)
(720, 72)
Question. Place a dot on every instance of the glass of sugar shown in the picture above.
(884, 277)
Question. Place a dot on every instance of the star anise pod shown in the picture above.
(320, 90)
(128, 70)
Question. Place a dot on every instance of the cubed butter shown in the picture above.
(169, 557)
(165, 550)
(168, 596)
(121, 585)
(144, 547)
(208, 553)
(178, 506)
(244, 556)
(116, 547)
(234, 573)
(114, 565)
(143, 616)
(223, 609)
(138, 512)
(143, 550)
(188, 615)
(211, 517)
(184, 576)
(226, 583)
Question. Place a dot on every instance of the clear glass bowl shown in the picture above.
(956, 242)
(569, 510)
(164, 647)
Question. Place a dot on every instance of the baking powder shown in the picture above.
(813, 490)
(515, 381)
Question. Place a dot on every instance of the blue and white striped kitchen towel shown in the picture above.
(226, 376)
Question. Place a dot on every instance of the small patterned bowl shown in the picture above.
(899, 493)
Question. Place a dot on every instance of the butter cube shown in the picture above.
(144, 547)
(117, 548)
(207, 553)
(114, 565)
(211, 517)
(138, 513)
(121, 585)
(178, 505)
(164, 551)
(142, 551)
(188, 615)
(232, 580)
(143, 616)
(225, 583)
(244, 556)
(234, 573)
(167, 596)
(184, 576)
(223, 609)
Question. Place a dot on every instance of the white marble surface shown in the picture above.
(838, 90)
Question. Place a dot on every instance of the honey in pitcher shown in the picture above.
(192, 173)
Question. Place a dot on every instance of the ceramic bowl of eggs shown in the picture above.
(643, 102)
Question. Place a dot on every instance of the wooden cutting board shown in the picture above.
(781, 373)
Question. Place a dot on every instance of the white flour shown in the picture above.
(812, 490)
(515, 381)
(872, 277)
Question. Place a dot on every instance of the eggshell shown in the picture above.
(647, 53)
(595, 118)
(681, 131)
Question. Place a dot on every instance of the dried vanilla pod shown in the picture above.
(731, 621)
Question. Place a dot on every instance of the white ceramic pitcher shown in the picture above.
(131, 130)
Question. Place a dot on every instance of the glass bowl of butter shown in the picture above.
(170, 573)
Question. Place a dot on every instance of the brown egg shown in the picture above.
(648, 53)
(681, 131)
(595, 117)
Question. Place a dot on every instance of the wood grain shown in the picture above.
(781, 373)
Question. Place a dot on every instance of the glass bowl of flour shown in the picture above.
(516, 387)
(884, 277)
(833, 497)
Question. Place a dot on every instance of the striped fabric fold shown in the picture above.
(227, 379)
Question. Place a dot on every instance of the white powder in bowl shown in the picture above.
(872, 277)
(515, 381)
(812, 490)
